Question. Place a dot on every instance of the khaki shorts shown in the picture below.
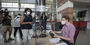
(6, 28)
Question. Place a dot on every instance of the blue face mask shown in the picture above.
(28, 13)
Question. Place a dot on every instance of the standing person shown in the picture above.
(68, 31)
(26, 24)
(52, 21)
(6, 26)
(17, 25)
(36, 24)
(44, 21)
(36, 21)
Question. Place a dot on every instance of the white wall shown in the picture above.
(88, 18)
(80, 8)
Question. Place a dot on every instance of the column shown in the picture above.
(19, 4)
(0, 4)
(40, 6)
(65, 7)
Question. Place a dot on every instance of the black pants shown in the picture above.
(16, 29)
(44, 25)
(67, 42)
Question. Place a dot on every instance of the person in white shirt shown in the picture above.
(17, 26)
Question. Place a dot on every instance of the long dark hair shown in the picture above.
(27, 9)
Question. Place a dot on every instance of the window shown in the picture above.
(9, 4)
(27, 5)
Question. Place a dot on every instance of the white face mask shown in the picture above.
(28, 13)
(62, 22)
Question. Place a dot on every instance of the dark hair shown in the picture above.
(6, 9)
(19, 14)
(27, 9)
(1, 11)
(66, 17)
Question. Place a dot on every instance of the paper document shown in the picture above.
(48, 31)
(61, 44)
(54, 40)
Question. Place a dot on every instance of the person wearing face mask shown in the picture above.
(26, 24)
(67, 32)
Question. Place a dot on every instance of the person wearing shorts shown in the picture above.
(6, 27)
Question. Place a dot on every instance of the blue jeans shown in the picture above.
(35, 26)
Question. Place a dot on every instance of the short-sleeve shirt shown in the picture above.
(6, 21)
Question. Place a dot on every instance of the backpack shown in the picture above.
(16, 18)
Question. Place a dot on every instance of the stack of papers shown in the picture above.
(61, 44)
(54, 40)
(48, 31)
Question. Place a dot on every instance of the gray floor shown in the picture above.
(83, 39)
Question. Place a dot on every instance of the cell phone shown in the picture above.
(51, 34)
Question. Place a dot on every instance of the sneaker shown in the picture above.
(21, 38)
(6, 41)
(10, 39)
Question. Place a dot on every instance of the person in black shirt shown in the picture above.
(44, 21)
(26, 24)
(6, 26)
